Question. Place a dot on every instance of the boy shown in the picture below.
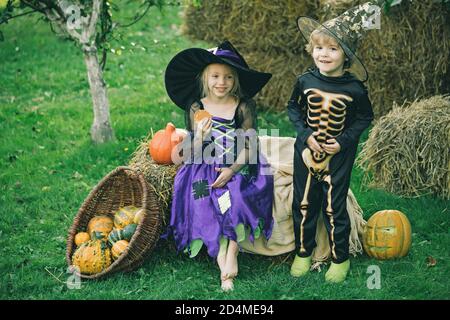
(329, 108)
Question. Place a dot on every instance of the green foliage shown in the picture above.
(49, 166)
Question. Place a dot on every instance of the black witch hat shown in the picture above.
(183, 71)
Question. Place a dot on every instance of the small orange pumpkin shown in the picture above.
(163, 143)
(118, 248)
(387, 235)
(199, 115)
(82, 237)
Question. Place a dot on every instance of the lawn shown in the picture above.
(49, 165)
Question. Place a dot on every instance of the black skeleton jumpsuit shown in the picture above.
(337, 107)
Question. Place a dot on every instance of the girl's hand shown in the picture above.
(225, 175)
(313, 144)
(331, 147)
(204, 127)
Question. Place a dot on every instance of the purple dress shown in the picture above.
(201, 215)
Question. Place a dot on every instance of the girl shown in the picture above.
(223, 192)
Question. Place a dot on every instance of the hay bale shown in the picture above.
(250, 25)
(407, 151)
(281, 83)
(159, 177)
(407, 59)
(203, 22)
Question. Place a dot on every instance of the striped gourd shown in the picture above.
(124, 216)
(114, 236)
(100, 226)
(122, 234)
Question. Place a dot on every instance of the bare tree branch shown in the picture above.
(90, 30)
(51, 5)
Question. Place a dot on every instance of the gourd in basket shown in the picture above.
(122, 187)
(100, 226)
(92, 257)
(125, 216)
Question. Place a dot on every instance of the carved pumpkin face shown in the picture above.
(387, 235)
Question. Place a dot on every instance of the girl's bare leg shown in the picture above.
(231, 266)
(222, 256)
(226, 284)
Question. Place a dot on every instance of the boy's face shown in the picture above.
(328, 57)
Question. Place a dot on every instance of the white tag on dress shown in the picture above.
(224, 202)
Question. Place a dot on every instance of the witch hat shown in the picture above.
(348, 29)
(183, 71)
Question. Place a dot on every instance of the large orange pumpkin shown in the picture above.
(387, 235)
(162, 144)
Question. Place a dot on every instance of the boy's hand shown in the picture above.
(331, 146)
(313, 144)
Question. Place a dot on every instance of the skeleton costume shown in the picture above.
(333, 107)
(336, 107)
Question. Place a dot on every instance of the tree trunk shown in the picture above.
(101, 130)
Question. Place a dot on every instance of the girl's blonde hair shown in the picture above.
(324, 37)
(203, 82)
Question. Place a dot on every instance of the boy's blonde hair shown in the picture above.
(324, 37)
(203, 82)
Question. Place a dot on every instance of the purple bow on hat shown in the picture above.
(228, 54)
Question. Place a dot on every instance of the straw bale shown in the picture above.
(280, 87)
(204, 22)
(407, 151)
(159, 177)
(408, 58)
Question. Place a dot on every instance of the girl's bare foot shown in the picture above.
(231, 265)
(227, 283)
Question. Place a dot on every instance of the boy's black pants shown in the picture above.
(321, 200)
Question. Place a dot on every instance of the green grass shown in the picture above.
(49, 166)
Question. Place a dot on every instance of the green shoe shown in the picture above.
(300, 266)
(338, 272)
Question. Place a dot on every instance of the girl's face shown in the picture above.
(329, 57)
(220, 80)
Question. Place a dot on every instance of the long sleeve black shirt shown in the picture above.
(359, 112)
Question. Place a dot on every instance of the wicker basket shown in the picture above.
(123, 186)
